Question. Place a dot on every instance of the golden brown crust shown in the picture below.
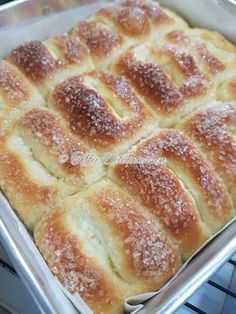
(183, 153)
(49, 62)
(111, 30)
(30, 198)
(139, 256)
(129, 21)
(64, 254)
(151, 82)
(213, 54)
(14, 88)
(148, 254)
(34, 60)
(180, 38)
(159, 188)
(167, 79)
(100, 40)
(98, 120)
(161, 192)
(16, 95)
(195, 83)
(47, 130)
(70, 48)
(213, 129)
(138, 20)
(153, 11)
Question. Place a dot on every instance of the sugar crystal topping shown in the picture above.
(97, 37)
(152, 9)
(160, 191)
(12, 84)
(72, 49)
(151, 81)
(144, 243)
(175, 147)
(131, 20)
(89, 114)
(47, 129)
(212, 128)
(68, 262)
(34, 60)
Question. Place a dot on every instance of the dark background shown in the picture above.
(4, 1)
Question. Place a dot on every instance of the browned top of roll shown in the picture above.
(14, 176)
(78, 273)
(214, 129)
(159, 87)
(172, 144)
(130, 21)
(182, 39)
(36, 61)
(147, 251)
(160, 191)
(99, 38)
(136, 18)
(151, 9)
(195, 83)
(30, 197)
(159, 187)
(92, 114)
(152, 82)
(45, 128)
(140, 256)
(14, 88)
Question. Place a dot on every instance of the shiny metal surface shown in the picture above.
(20, 10)
(229, 5)
(205, 264)
(26, 259)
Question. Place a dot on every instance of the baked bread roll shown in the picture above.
(184, 192)
(179, 71)
(214, 55)
(16, 95)
(170, 89)
(213, 129)
(102, 244)
(212, 52)
(40, 163)
(49, 62)
(103, 110)
(110, 30)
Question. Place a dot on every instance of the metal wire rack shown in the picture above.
(227, 291)
(188, 304)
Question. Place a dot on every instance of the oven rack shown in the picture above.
(224, 289)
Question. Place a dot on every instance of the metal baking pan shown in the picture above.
(44, 288)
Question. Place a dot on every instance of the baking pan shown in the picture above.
(43, 286)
